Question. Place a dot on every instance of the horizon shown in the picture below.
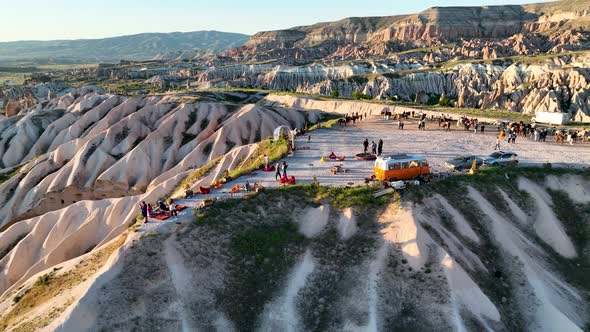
(210, 19)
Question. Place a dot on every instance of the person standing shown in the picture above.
(483, 128)
(366, 145)
(150, 211)
(266, 162)
(173, 212)
(277, 172)
(373, 147)
(497, 147)
(144, 213)
(380, 147)
(284, 167)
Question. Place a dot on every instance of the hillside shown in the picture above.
(471, 254)
(133, 47)
(434, 24)
(465, 254)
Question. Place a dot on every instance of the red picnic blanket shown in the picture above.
(163, 215)
(285, 180)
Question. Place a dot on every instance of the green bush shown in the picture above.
(360, 96)
(443, 101)
(335, 94)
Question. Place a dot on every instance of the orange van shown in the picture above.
(401, 167)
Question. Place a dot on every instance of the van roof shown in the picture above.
(401, 157)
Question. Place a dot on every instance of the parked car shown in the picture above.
(463, 162)
(501, 158)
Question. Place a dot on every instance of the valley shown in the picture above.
(283, 224)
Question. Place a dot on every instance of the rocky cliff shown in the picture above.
(15, 99)
(559, 84)
(432, 27)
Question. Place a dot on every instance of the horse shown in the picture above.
(559, 138)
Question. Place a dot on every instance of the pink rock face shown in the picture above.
(105, 146)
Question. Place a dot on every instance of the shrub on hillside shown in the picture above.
(445, 102)
(359, 95)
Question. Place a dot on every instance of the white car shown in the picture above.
(501, 158)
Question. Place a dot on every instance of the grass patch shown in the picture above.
(272, 250)
(275, 150)
(261, 249)
(50, 285)
(195, 176)
(7, 176)
(327, 121)
(187, 138)
(204, 124)
(264, 244)
(342, 197)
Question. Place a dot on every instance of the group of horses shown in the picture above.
(520, 128)
(559, 135)
(346, 120)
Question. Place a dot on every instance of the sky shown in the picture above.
(75, 19)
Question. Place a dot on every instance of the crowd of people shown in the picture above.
(540, 134)
(509, 131)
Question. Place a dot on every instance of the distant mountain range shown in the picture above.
(133, 47)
